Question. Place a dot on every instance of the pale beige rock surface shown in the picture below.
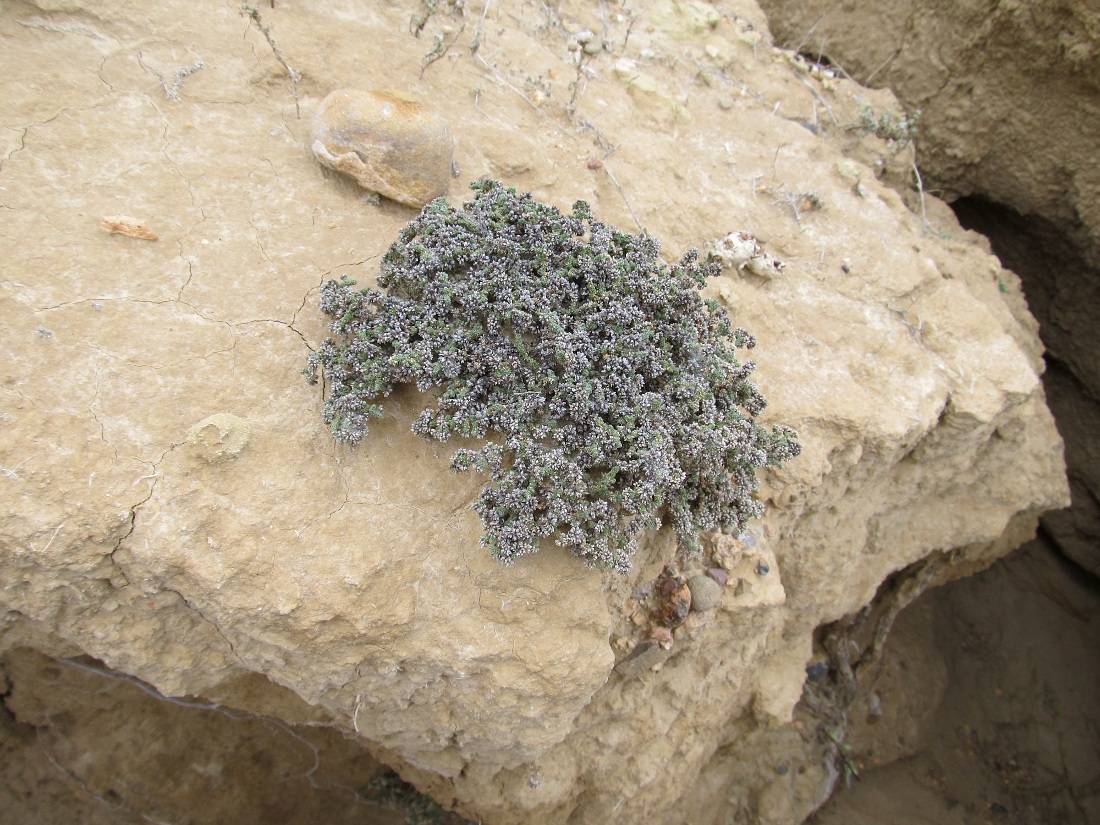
(1010, 126)
(354, 578)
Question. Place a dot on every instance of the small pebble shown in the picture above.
(676, 607)
(719, 575)
(817, 671)
(661, 636)
(874, 705)
(706, 593)
(849, 170)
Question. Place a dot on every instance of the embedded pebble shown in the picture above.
(706, 593)
(817, 671)
(220, 436)
(645, 657)
(387, 141)
(661, 636)
(677, 604)
(874, 705)
(740, 251)
(849, 170)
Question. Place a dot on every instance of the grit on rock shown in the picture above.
(346, 588)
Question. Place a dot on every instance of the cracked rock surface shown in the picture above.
(896, 345)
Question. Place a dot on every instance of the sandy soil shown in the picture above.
(1016, 737)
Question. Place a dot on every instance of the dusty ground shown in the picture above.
(1016, 737)
(81, 745)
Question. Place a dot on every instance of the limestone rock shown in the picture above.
(1009, 126)
(387, 141)
(354, 578)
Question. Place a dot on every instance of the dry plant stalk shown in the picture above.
(253, 14)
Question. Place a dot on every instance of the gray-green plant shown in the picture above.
(605, 391)
(899, 128)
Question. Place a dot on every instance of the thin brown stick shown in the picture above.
(253, 14)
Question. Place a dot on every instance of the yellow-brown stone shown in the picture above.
(387, 141)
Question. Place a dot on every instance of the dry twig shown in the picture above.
(253, 14)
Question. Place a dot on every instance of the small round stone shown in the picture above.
(387, 141)
(817, 671)
(706, 593)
